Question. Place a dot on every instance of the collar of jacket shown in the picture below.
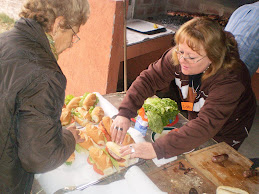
(34, 32)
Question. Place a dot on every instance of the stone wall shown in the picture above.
(11, 8)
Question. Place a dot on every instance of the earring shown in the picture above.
(206, 68)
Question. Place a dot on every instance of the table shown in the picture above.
(148, 167)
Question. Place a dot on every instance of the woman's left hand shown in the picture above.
(143, 150)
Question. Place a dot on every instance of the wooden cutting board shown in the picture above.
(229, 172)
(169, 178)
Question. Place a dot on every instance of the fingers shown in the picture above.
(113, 132)
(119, 129)
(71, 127)
(128, 150)
(120, 135)
(80, 140)
(143, 150)
(123, 134)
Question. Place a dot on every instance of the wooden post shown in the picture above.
(125, 45)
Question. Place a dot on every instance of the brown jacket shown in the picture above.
(225, 106)
(32, 90)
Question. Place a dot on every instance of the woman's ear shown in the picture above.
(56, 25)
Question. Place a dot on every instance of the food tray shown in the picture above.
(80, 172)
(145, 27)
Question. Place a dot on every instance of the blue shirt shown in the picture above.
(244, 25)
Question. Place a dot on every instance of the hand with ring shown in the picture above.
(143, 150)
(119, 129)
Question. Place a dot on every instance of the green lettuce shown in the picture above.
(77, 114)
(79, 149)
(159, 112)
(114, 162)
(68, 98)
(68, 163)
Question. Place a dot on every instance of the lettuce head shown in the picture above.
(159, 112)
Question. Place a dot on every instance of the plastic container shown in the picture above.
(141, 123)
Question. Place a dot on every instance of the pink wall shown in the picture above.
(92, 64)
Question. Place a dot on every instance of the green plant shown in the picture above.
(6, 19)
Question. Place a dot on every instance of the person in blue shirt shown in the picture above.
(244, 25)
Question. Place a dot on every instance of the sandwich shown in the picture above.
(84, 114)
(100, 160)
(97, 114)
(114, 150)
(81, 116)
(105, 126)
(81, 121)
(87, 144)
(89, 101)
(95, 133)
(71, 159)
(128, 140)
(74, 103)
(65, 117)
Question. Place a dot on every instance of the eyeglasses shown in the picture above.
(189, 59)
(75, 38)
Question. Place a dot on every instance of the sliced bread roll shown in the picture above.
(101, 160)
(65, 117)
(87, 144)
(81, 121)
(96, 134)
(84, 114)
(89, 101)
(74, 103)
(128, 140)
(97, 114)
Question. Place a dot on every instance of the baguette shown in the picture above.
(96, 134)
(65, 117)
(107, 123)
(74, 103)
(128, 140)
(89, 101)
(105, 126)
(71, 159)
(81, 121)
(87, 144)
(84, 114)
(101, 160)
(114, 150)
(97, 114)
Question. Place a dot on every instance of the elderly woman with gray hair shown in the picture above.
(32, 91)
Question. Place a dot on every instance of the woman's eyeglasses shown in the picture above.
(75, 38)
(189, 59)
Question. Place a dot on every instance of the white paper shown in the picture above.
(135, 182)
(80, 172)
(163, 161)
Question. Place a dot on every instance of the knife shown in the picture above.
(81, 187)
(84, 186)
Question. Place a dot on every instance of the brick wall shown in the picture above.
(11, 7)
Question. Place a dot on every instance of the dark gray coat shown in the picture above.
(32, 90)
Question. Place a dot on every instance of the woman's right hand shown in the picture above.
(143, 150)
(119, 129)
(75, 132)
